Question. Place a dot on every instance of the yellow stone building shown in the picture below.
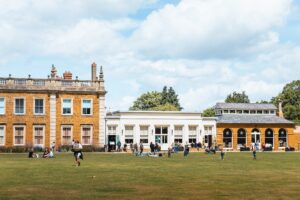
(241, 125)
(52, 111)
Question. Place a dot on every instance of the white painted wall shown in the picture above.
(158, 118)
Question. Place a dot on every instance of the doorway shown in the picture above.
(255, 138)
(111, 142)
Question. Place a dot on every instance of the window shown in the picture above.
(38, 138)
(86, 135)
(252, 111)
(259, 112)
(239, 112)
(67, 107)
(282, 138)
(246, 111)
(227, 138)
(241, 138)
(38, 106)
(272, 111)
(66, 136)
(144, 134)
(232, 111)
(161, 135)
(225, 111)
(269, 138)
(129, 131)
(19, 106)
(2, 135)
(86, 107)
(192, 134)
(19, 135)
(112, 130)
(266, 112)
(178, 133)
(2, 106)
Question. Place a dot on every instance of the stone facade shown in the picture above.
(41, 112)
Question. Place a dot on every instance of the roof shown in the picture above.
(252, 119)
(246, 106)
(153, 112)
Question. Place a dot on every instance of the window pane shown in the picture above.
(2, 105)
(19, 106)
(39, 106)
(67, 104)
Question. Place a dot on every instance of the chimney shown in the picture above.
(94, 71)
(280, 112)
(67, 75)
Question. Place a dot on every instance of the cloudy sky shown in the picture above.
(205, 49)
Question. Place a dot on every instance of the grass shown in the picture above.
(123, 176)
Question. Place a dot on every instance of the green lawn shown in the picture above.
(123, 176)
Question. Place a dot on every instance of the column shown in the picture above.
(52, 119)
(102, 121)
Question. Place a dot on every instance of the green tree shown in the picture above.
(236, 97)
(167, 100)
(166, 107)
(290, 97)
(173, 98)
(147, 101)
(209, 112)
(262, 101)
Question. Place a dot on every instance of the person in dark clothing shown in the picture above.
(152, 147)
(141, 148)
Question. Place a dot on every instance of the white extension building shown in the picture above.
(162, 127)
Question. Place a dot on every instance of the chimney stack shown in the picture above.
(67, 75)
(280, 112)
(94, 71)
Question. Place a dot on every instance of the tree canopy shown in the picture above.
(209, 112)
(236, 97)
(167, 100)
(290, 97)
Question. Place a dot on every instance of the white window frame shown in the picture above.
(91, 136)
(33, 138)
(24, 136)
(37, 98)
(91, 107)
(24, 113)
(112, 129)
(4, 137)
(4, 108)
(62, 106)
(61, 135)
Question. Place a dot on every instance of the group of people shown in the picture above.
(48, 153)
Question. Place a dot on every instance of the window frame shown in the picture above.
(24, 113)
(33, 135)
(4, 136)
(61, 135)
(62, 106)
(38, 98)
(91, 134)
(24, 135)
(4, 106)
(90, 107)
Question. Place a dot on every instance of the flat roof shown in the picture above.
(246, 106)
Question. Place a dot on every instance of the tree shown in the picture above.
(262, 101)
(290, 97)
(166, 107)
(167, 100)
(236, 97)
(147, 101)
(209, 112)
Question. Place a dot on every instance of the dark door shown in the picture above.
(111, 142)
(209, 140)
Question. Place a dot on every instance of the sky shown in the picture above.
(204, 49)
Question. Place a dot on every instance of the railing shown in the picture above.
(55, 84)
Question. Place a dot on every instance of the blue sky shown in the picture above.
(204, 49)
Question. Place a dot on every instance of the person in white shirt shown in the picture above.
(77, 147)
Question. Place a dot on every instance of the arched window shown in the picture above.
(227, 138)
(241, 137)
(269, 138)
(282, 138)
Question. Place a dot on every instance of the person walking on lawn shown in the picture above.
(77, 149)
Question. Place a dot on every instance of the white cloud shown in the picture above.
(216, 28)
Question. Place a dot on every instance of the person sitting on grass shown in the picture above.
(46, 153)
(51, 154)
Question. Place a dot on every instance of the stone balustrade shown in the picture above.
(32, 84)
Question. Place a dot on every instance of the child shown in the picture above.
(254, 152)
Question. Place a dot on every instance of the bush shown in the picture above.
(65, 148)
(20, 149)
(5, 149)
